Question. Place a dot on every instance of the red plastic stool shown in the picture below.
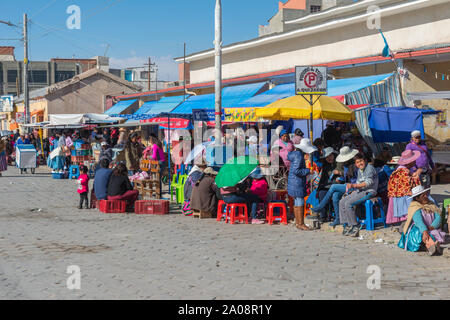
(282, 218)
(220, 210)
(237, 212)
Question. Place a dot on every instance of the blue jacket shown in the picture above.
(297, 175)
(101, 182)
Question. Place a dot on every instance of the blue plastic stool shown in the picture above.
(74, 172)
(370, 222)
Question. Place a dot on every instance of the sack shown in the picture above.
(412, 240)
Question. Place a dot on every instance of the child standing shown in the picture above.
(83, 187)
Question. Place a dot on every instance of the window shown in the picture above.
(315, 9)
(12, 76)
(64, 75)
(144, 74)
(37, 76)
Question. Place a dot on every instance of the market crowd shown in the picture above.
(332, 176)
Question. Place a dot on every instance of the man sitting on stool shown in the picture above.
(364, 189)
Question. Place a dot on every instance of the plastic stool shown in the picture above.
(237, 212)
(370, 222)
(270, 216)
(221, 211)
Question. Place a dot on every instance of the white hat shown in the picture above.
(306, 146)
(103, 144)
(346, 154)
(418, 191)
(253, 139)
(328, 151)
(416, 133)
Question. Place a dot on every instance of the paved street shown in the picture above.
(177, 257)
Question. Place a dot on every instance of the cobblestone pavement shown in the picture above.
(177, 257)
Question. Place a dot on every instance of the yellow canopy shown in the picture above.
(296, 107)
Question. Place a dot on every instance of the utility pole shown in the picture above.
(184, 73)
(218, 66)
(26, 95)
(149, 73)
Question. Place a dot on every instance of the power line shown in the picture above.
(66, 39)
(102, 9)
(44, 8)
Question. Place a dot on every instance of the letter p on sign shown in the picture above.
(74, 281)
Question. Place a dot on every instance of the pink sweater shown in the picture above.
(83, 183)
(260, 188)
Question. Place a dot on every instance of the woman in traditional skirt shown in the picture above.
(3, 160)
(400, 184)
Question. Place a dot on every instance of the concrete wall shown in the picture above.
(87, 96)
(421, 81)
(430, 26)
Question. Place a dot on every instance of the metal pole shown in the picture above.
(170, 168)
(218, 64)
(26, 97)
(184, 73)
(149, 73)
(311, 119)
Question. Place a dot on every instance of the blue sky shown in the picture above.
(133, 29)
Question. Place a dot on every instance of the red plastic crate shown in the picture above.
(112, 206)
(152, 207)
(80, 159)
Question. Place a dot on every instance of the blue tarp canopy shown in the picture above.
(396, 124)
(335, 88)
(120, 107)
(151, 109)
(231, 97)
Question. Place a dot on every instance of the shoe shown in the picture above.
(80, 208)
(257, 221)
(346, 230)
(354, 232)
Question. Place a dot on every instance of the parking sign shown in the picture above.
(311, 80)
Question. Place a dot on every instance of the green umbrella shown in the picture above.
(235, 171)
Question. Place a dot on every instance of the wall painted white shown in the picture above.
(425, 26)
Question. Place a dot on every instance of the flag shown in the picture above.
(386, 51)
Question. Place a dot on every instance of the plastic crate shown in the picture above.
(80, 159)
(112, 206)
(159, 207)
(59, 176)
(81, 153)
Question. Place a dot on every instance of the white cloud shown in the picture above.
(167, 68)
